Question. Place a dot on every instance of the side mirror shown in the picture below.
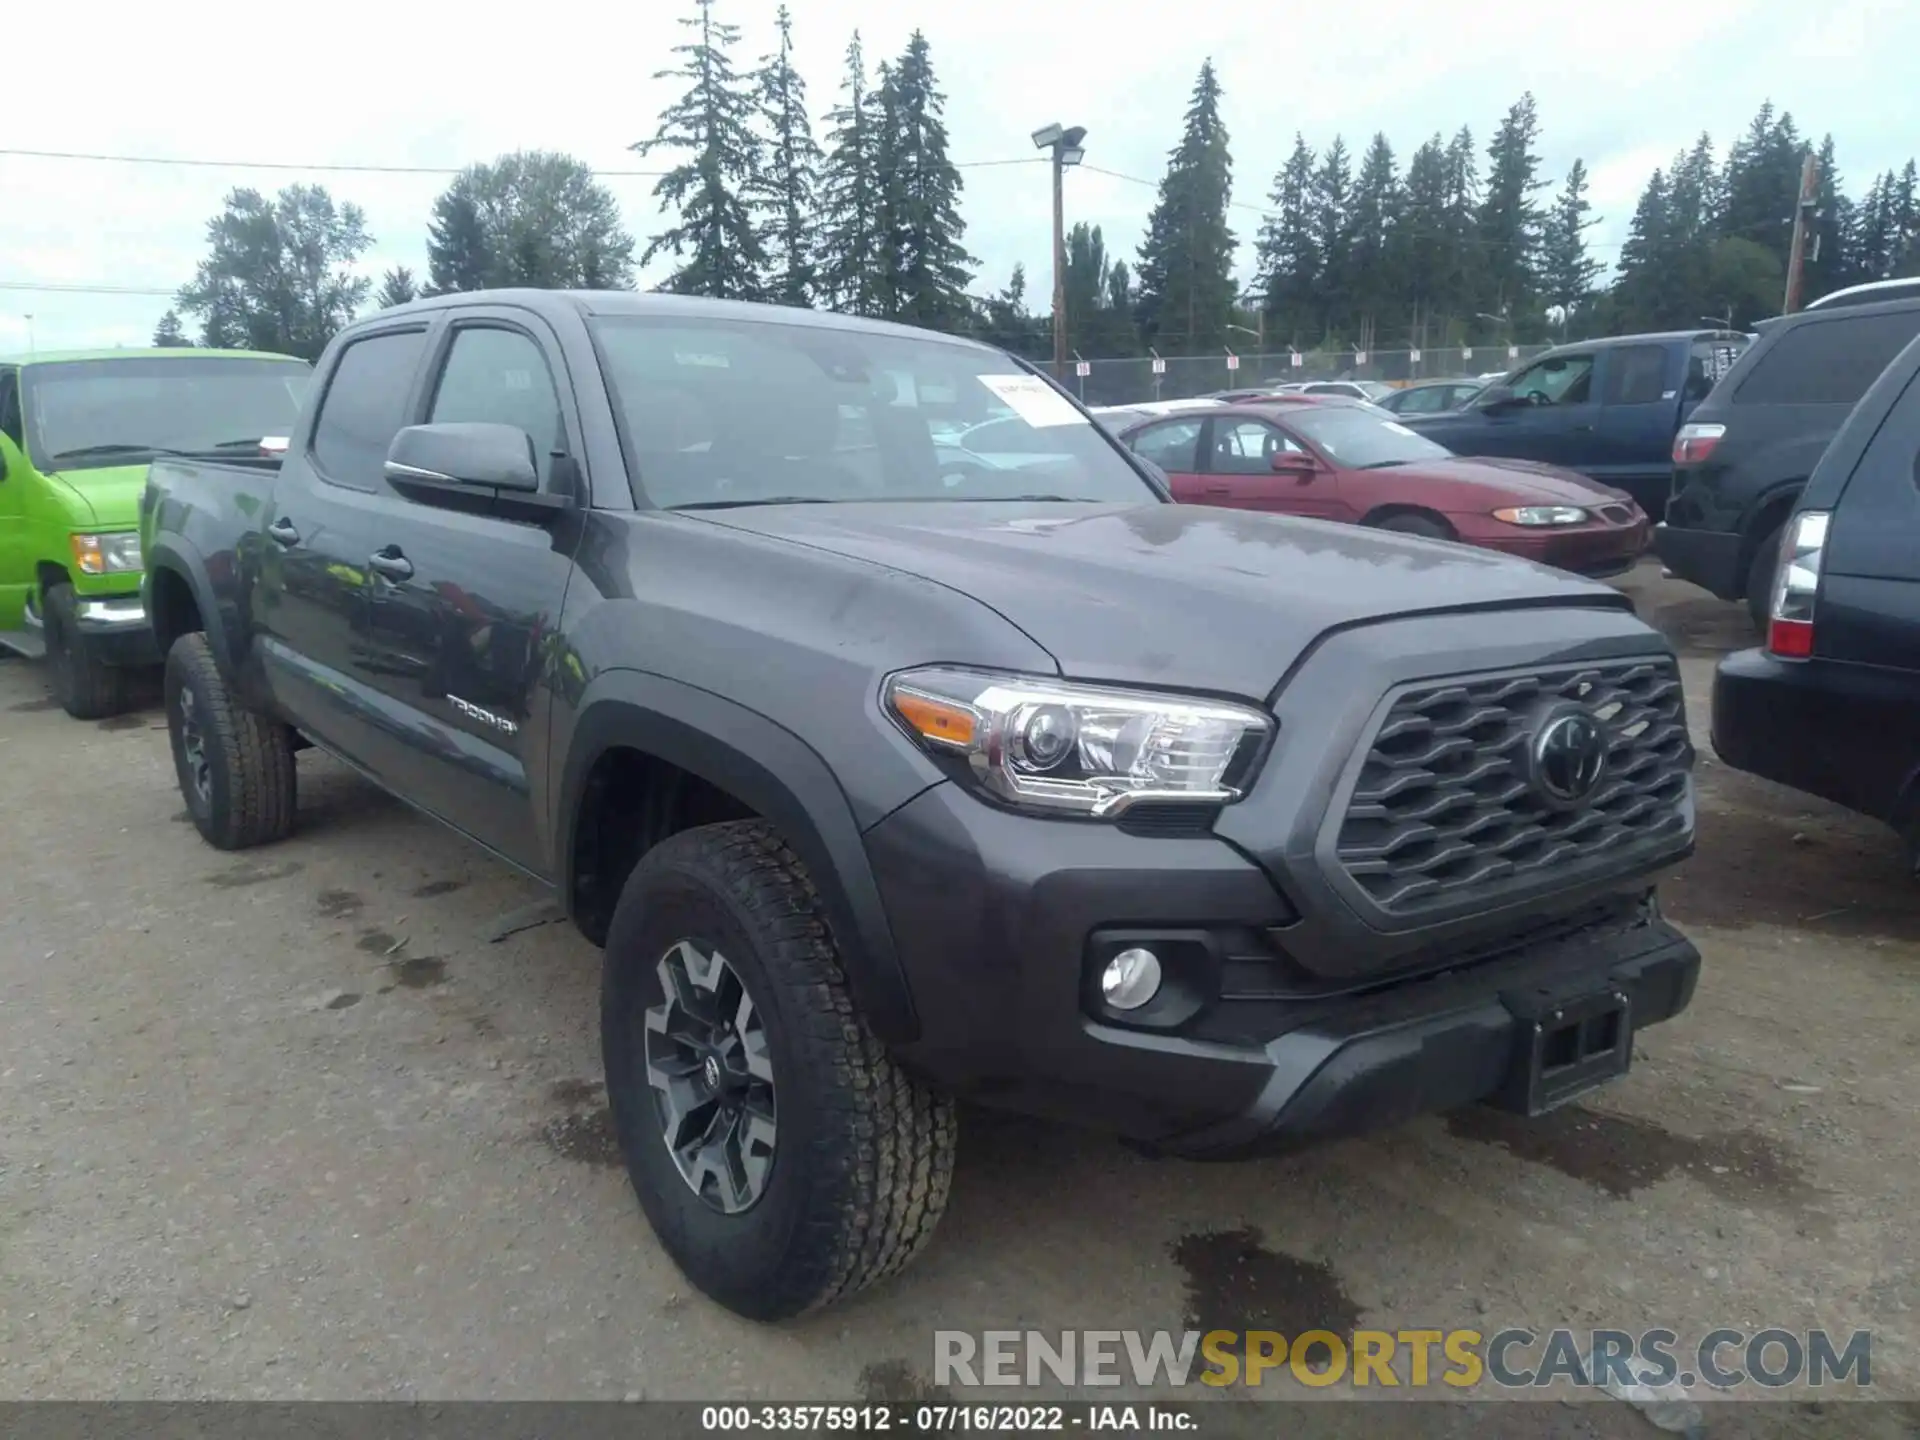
(475, 466)
(1292, 462)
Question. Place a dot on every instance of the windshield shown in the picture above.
(742, 412)
(1358, 439)
(88, 413)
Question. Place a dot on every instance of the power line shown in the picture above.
(353, 169)
(62, 287)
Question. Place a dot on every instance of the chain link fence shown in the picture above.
(1180, 377)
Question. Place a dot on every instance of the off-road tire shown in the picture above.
(864, 1153)
(1760, 571)
(252, 790)
(1410, 524)
(85, 688)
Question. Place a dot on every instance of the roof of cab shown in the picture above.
(633, 302)
(167, 352)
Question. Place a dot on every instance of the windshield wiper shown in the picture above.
(735, 504)
(86, 452)
(1385, 464)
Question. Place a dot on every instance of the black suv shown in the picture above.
(887, 775)
(1742, 457)
(1831, 703)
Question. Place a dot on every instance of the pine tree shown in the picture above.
(1287, 251)
(792, 177)
(1420, 255)
(927, 269)
(1332, 227)
(1567, 271)
(850, 260)
(1763, 182)
(458, 258)
(1375, 211)
(1508, 223)
(1636, 293)
(1460, 234)
(170, 334)
(716, 238)
(1830, 261)
(396, 288)
(1186, 289)
(1903, 206)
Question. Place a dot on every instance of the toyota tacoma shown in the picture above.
(888, 779)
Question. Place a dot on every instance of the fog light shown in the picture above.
(1131, 979)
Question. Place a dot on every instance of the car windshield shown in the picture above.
(742, 412)
(86, 413)
(1362, 437)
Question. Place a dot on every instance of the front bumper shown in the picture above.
(115, 627)
(1847, 733)
(1596, 551)
(1005, 922)
(1707, 558)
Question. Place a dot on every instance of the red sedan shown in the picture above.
(1340, 460)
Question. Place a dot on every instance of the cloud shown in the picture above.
(1623, 86)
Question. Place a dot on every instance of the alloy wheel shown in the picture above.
(193, 747)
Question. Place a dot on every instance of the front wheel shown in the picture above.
(782, 1157)
(1407, 523)
(86, 688)
(235, 768)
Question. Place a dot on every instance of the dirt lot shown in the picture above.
(296, 1124)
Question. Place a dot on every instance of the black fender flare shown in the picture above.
(770, 769)
(178, 555)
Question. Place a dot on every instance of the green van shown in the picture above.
(77, 432)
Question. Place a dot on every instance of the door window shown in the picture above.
(364, 407)
(1636, 375)
(1171, 445)
(1560, 380)
(1247, 447)
(1427, 400)
(499, 376)
(10, 408)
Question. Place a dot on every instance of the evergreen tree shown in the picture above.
(1567, 271)
(1459, 238)
(1287, 251)
(1508, 223)
(457, 253)
(792, 175)
(1831, 261)
(1903, 206)
(1763, 182)
(850, 262)
(396, 288)
(1375, 286)
(1186, 289)
(926, 270)
(1636, 294)
(716, 239)
(1332, 229)
(1419, 240)
(169, 334)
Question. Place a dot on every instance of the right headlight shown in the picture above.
(1533, 515)
(1051, 746)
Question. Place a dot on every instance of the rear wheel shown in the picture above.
(1407, 523)
(86, 688)
(783, 1158)
(1760, 571)
(235, 768)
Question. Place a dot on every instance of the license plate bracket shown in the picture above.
(1568, 1048)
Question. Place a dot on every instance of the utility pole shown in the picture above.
(1067, 150)
(1797, 255)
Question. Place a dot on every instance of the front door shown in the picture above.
(16, 563)
(1240, 456)
(1555, 421)
(312, 606)
(463, 604)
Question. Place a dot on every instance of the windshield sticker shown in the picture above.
(706, 362)
(1033, 400)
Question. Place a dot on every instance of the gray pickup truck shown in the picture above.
(889, 775)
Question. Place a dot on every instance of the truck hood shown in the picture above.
(1169, 595)
(108, 497)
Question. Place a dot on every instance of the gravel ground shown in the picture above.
(299, 1124)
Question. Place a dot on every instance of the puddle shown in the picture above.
(120, 722)
(343, 1001)
(588, 1138)
(34, 707)
(418, 972)
(252, 874)
(437, 887)
(574, 1092)
(1234, 1281)
(894, 1382)
(338, 904)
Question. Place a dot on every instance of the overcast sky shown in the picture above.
(1622, 85)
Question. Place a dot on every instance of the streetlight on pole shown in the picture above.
(29, 320)
(1066, 147)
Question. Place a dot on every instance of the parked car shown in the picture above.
(1873, 292)
(76, 433)
(1429, 397)
(1219, 830)
(1740, 461)
(1339, 460)
(1606, 408)
(1830, 704)
(1369, 390)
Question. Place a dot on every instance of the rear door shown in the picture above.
(1632, 440)
(321, 660)
(1174, 445)
(465, 604)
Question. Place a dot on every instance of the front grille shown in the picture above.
(1618, 514)
(1445, 810)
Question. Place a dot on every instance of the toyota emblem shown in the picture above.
(1569, 756)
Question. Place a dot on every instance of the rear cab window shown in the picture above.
(1636, 375)
(1827, 361)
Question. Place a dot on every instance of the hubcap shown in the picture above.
(712, 1078)
(193, 748)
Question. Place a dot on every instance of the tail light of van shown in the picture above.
(1694, 443)
(1796, 585)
